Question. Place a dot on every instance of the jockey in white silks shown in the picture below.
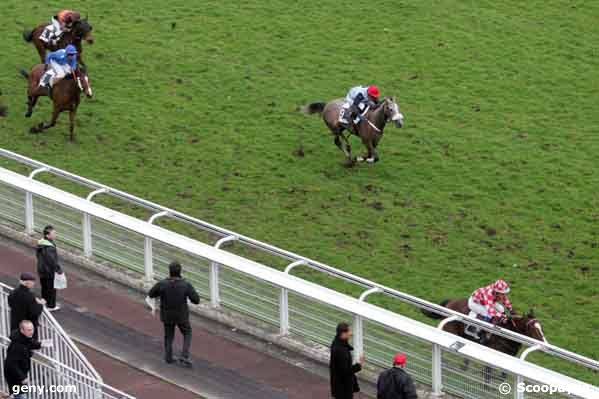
(60, 23)
(357, 102)
(59, 64)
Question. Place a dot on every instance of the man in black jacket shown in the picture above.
(23, 304)
(174, 293)
(395, 383)
(18, 357)
(47, 266)
(342, 369)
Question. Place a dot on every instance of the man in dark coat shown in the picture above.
(18, 357)
(47, 266)
(395, 383)
(23, 304)
(342, 369)
(174, 312)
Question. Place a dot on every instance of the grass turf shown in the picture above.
(494, 175)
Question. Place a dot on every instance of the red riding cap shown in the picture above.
(373, 91)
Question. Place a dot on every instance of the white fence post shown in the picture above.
(148, 255)
(214, 267)
(29, 226)
(359, 325)
(87, 226)
(284, 301)
(29, 222)
(519, 379)
(437, 371)
(87, 236)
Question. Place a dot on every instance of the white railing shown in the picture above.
(294, 305)
(63, 350)
(85, 240)
(60, 381)
(59, 366)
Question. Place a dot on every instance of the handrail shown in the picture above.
(47, 316)
(410, 299)
(80, 376)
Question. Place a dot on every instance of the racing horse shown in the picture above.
(527, 325)
(66, 95)
(81, 31)
(369, 129)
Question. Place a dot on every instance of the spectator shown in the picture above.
(47, 267)
(396, 383)
(23, 303)
(174, 312)
(343, 372)
(18, 358)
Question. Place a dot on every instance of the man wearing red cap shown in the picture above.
(358, 101)
(395, 383)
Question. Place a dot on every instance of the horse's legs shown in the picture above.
(31, 101)
(42, 126)
(72, 114)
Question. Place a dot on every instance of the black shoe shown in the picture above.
(169, 361)
(185, 362)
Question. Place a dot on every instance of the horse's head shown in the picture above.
(392, 112)
(529, 325)
(83, 81)
(82, 30)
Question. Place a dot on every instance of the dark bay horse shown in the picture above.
(66, 95)
(523, 324)
(370, 129)
(80, 31)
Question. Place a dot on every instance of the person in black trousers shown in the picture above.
(342, 369)
(396, 383)
(47, 266)
(23, 303)
(174, 312)
(17, 363)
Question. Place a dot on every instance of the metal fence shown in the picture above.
(60, 367)
(295, 306)
(58, 381)
(62, 348)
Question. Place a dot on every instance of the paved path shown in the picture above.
(106, 317)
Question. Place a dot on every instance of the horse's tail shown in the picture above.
(434, 315)
(28, 35)
(313, 108)
(24, 73)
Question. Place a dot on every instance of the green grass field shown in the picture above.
(494, 175)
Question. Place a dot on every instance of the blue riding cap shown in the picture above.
(70, 49)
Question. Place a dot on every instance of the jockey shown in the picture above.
(59, 64)
(60, 23)
(358, 101)
(484, 304)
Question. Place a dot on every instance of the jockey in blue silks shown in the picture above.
(59, 64)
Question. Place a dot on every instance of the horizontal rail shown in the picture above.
(406, 298)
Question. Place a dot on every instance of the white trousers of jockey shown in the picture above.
(52, 33)
(59, 63)
(358, 96)
(57, 72)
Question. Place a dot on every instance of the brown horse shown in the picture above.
(66, 95)
(523, 324)
(370, 129)
(80, 31)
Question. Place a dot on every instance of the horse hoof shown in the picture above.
(360, 159)
(371, 160)
(34, 130)
(28, 114)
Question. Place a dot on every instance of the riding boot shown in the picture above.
(485, 337)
